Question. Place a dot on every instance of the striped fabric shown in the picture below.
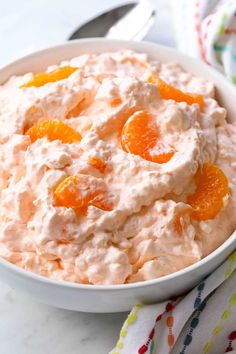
(206, 29)
(203, 321)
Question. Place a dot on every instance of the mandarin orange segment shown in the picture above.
(168, 92)
(116, 102)
(97, 163)
(77, 109)
(161, 153)
(53, 130)
(44, 78)
(78, 192)
(140, 136)
(102, 201)
(211, 189)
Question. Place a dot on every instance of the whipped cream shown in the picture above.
(137, 240)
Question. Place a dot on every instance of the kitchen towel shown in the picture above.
(206, 29)
(203, 321)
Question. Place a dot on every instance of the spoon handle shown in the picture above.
(135, 24)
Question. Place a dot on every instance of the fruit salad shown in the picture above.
(114, 169)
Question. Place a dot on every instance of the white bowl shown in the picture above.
(117, 298)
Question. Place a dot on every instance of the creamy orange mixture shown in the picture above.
(114, 169)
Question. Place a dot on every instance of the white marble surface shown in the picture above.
(27, 327)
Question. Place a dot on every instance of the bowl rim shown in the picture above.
(122, 287)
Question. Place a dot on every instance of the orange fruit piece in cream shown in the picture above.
(97, 163)
(168, 92)
(44, 78)
(211, 189)
(78, 192)
(140, 136)
(77, 109)
(53, 130)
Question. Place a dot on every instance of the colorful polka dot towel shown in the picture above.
(206, 29)
(203, 321)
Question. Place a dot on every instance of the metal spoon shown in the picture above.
(130, 21)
